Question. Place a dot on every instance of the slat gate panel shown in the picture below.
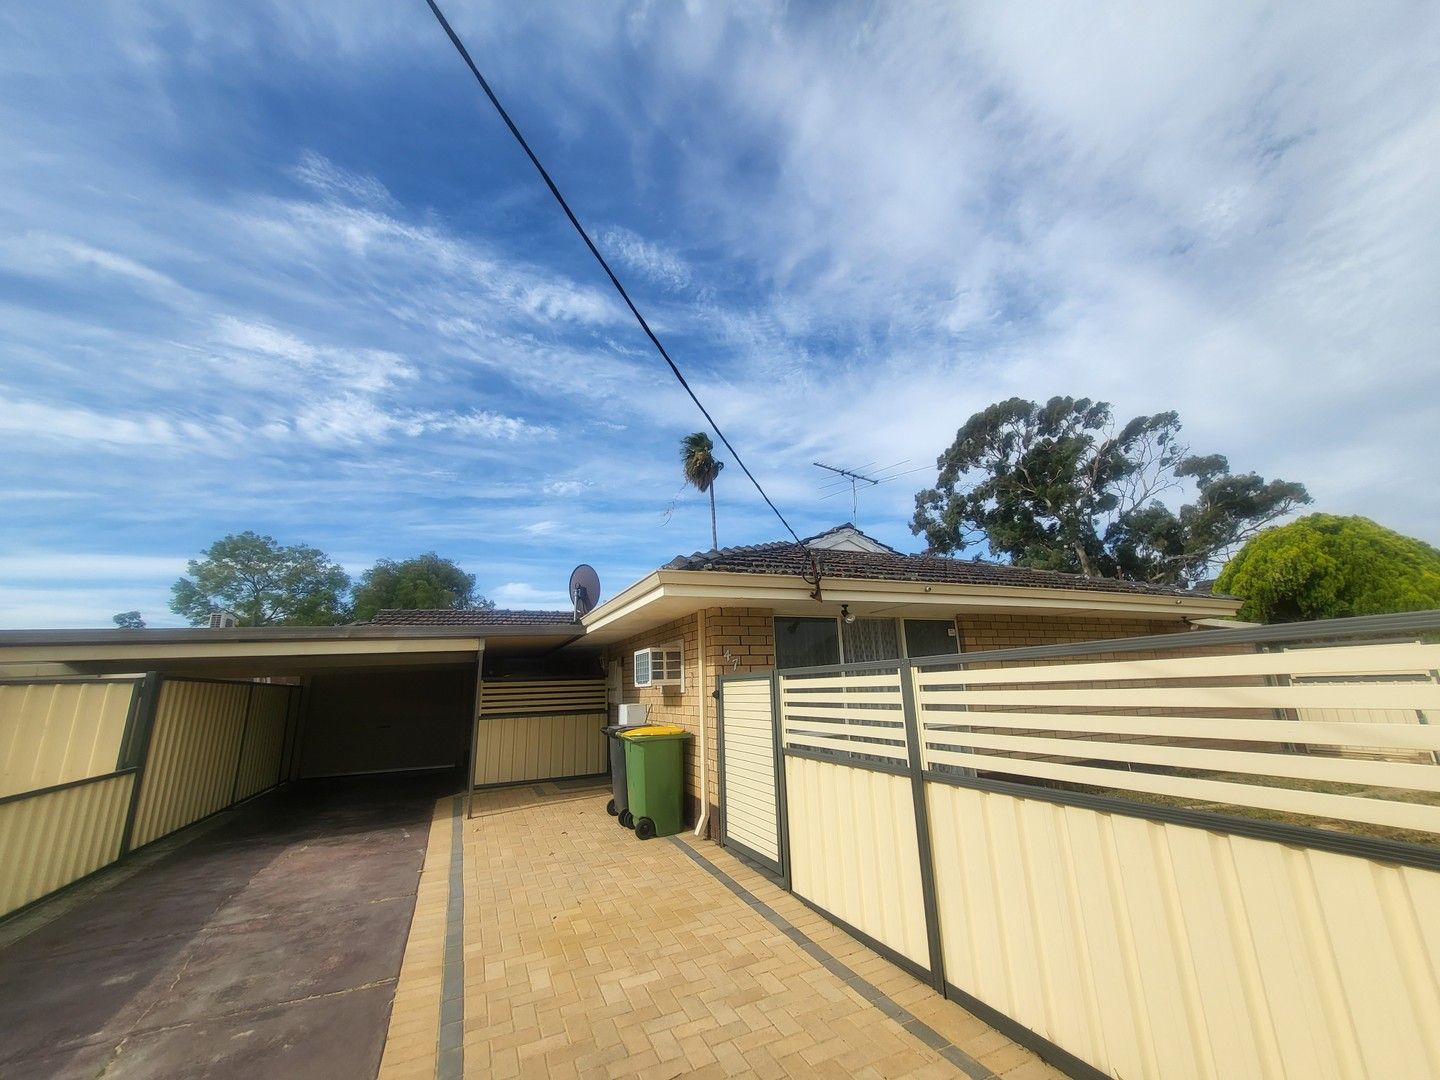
(750, 783)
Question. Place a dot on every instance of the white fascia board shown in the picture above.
(638, 595)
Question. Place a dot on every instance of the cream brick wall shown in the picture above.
(981, 632)
(747, 635)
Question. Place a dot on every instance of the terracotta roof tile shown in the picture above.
(784, 557)
(472, 617)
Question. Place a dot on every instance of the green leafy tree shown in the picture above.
(128, 620)
(1322, 566)
(1059, 486)
(263, 583)
(697, 461)
(426, 581)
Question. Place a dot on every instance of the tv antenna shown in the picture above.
(856, 478)
(864, 474)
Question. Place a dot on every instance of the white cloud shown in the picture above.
(329, 180)
(566, 489)
(38, 420)
(61, 257)
(259, 355)
(654, 262)
(520, 594)
(87, 566)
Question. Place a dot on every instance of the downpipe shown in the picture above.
(704, 819)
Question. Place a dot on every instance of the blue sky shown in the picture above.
(277, 267)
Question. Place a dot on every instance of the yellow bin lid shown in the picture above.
(653, 729)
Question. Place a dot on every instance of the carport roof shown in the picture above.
(274, 650)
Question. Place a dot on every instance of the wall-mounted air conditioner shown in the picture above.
(663, 665)
(222, 620)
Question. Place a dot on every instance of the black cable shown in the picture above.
(465, 55)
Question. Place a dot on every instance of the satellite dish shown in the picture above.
(584, 588)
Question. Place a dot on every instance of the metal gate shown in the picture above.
(751, 780)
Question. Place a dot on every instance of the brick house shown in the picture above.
(842, 598)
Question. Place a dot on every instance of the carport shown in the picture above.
(148, 931)
(113, 739)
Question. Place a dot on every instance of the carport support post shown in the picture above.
(474, 730)
(137, 750)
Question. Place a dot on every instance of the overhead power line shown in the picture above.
(585, 236)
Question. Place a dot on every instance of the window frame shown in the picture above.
(840, 634)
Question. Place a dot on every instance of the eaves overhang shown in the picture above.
(668, 594)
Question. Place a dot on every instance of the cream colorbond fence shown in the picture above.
(540, 729)
(54, 731)
(60, 835)
(1110, 850)
(153, 756)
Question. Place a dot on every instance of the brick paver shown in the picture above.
(590, 953)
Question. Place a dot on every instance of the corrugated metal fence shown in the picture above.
(540, 729)
(96, 767)
(1143, 865)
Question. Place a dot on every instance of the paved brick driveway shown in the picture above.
(579, 950)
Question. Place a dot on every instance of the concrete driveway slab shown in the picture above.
(268, 945)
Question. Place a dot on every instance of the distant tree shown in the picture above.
(697, 460)
(1323, 567)
(1058, 487)
(263, 583)
(129, 620)
(426, 581)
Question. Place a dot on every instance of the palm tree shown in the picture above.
(697, 459)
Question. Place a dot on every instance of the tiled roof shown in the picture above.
(472, 617)
(785, 557)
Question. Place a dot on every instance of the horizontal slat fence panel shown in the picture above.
(1337, 660)
(55, 732)
(846, 714)
(194, 750)
(1297, 746)
(264, 740)
(50, 839)
(1412, 696)
(513, 749)
(1225, 729)
(535, 696)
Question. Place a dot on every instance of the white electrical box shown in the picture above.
(663, 665)
(634, 715)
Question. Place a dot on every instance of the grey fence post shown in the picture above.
(782, 805)
(922, 825)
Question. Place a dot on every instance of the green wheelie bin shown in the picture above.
(655, 777)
